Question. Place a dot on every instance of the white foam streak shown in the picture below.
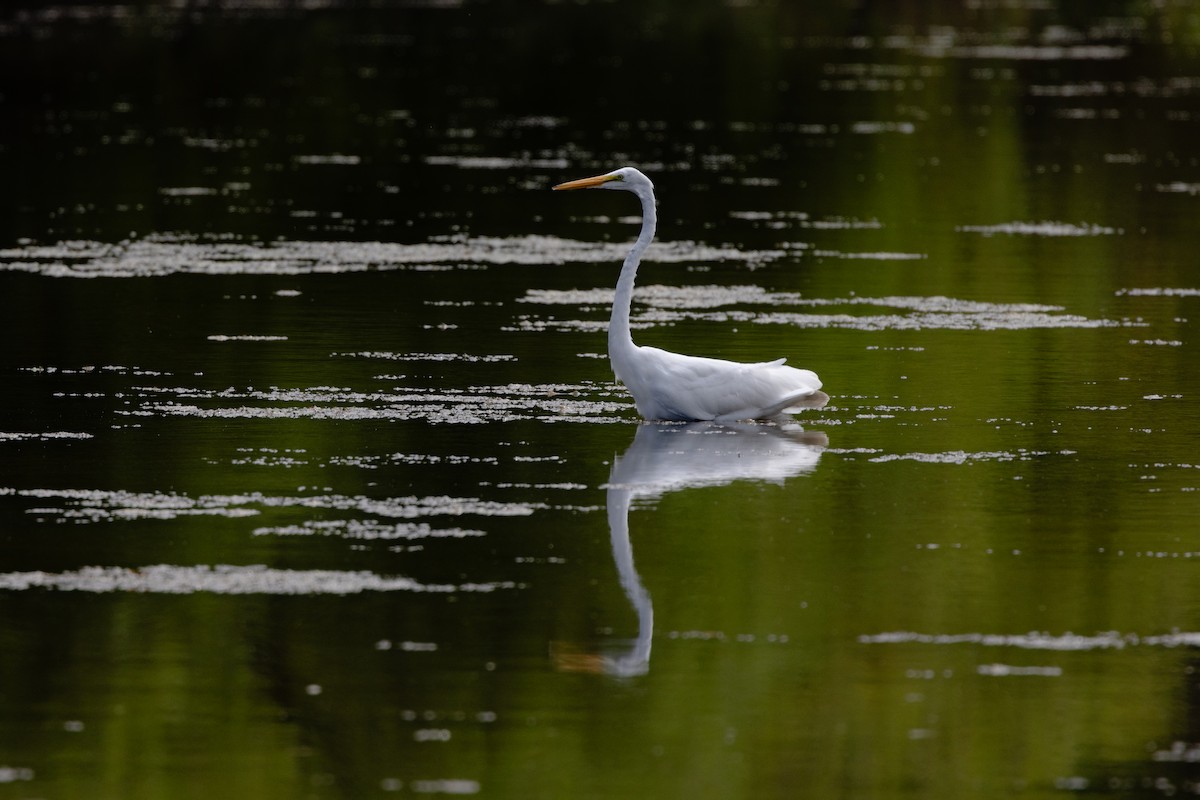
(42, 437)
(476, 405)
(1044, 228)
(1159, 291)
(1066, 642)
(671, 304)
(98, 505)
(962, 457)
(161, 255)
(1008, 670)
(225, 579)
(369, 530)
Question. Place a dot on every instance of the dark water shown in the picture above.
(314, 481)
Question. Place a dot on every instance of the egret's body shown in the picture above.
(670, 386)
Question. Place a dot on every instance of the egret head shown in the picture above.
(626, 178)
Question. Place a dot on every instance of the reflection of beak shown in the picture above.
(585, 183)
(568, 657)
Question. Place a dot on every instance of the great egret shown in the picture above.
(670, 386)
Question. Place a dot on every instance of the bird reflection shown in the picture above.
(666, 457)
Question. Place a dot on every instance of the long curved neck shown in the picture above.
(620, 338)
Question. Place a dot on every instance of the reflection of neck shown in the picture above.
(620, 338)
(638, 659)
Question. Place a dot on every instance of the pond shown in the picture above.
(315, 480)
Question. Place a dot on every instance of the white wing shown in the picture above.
(671, 386)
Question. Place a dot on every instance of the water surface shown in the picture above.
(314, 480)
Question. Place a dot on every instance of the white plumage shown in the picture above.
(671, 386)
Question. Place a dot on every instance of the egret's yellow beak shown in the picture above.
(587, 183)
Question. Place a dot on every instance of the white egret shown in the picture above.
(670, 386)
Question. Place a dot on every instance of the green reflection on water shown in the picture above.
(895, 620)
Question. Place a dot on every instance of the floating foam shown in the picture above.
(164, 254)
(1158, 291)
(445, 786)
(1039, 229)
(962, 457)
(869, 256)
(367, 530)
(99, 505)
(497, 162)
(1178, 187)
(1015, 52)
(187, 191)
(476, 405)
(464, 357)
(1107, 640)
(43, 437)
(225, 579)
(672, 304)
(337, 159)
(876, 127)
(1007, 670)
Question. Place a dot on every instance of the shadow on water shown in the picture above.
(666, 457)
